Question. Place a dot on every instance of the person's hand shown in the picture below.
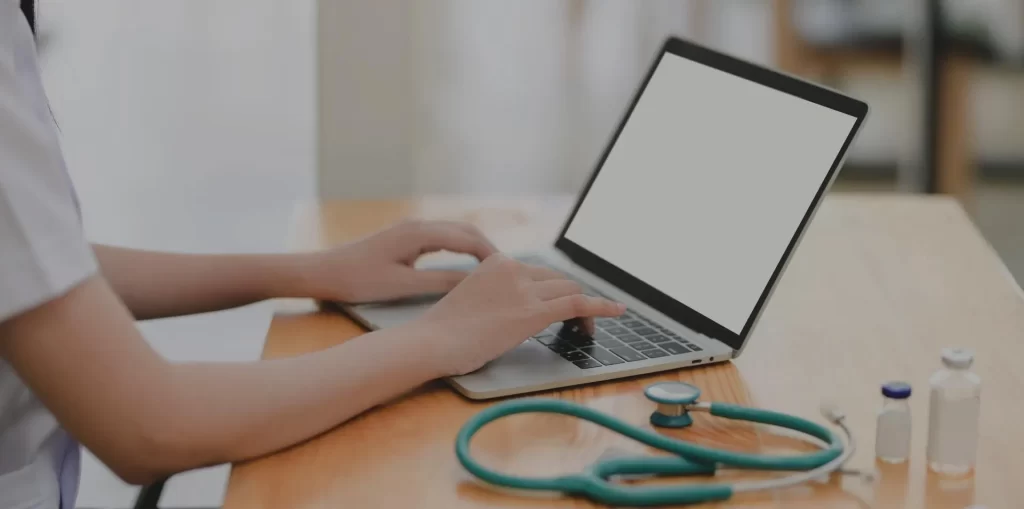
(501, 304)
(380, 267)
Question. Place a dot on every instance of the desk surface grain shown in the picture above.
(879, 285)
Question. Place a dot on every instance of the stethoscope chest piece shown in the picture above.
(672, 398)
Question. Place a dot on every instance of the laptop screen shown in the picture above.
(707, 184)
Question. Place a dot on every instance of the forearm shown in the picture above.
(146, 418)
(231, 412)
(155, 285)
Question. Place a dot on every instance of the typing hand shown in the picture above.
(501, 304)
(381, 267)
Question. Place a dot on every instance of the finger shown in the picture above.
(438, 236)
(474, 231)
(433, 281)
(581, 306)
(538, 273)
(585, 325)
(588, 325)
(555, 288)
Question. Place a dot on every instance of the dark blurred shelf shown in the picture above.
(872, 41)
(834, 35)
(1006, 170)
(878, 27)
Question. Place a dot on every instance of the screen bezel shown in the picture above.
(646, 293)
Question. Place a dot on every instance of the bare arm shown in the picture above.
(155, 285)
(147, 418)
(378, 267)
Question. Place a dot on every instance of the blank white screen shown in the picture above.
(706, 186)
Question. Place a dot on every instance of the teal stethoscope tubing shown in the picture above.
(690, 459)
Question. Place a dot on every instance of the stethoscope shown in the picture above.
(675, 401)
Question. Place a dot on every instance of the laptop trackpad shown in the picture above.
(389, 314)
(380, 315)
(527, 364)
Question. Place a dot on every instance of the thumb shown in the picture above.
(435, 281)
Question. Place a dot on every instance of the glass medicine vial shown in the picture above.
(953, 413)
(892, 432)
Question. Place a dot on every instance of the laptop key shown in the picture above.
(609, 343)
(630, 338)
(655, 353)
(575, 355)
(616, 331)
(545, 338)
(573, 329)
(675, 348)
(642, 345)
(658, 338)
(561, 347)
(645, 331)
(634, 323)
(581, 341)
(605, 357)
(694, 347)
(628, 354)
(587, 364)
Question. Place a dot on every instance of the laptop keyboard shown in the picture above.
(627, 338)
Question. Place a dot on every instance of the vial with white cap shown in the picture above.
(953, 413)
(892, 431)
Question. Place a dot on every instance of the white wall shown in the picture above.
(365, 96)
(468, 96)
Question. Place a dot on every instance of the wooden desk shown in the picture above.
(879, 285)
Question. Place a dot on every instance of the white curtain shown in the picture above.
(520, 96)
(498, 96)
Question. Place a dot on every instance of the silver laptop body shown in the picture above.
(662, 334)
(533, 366)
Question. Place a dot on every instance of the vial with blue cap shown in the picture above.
(892, 432)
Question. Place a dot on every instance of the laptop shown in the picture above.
(690, 217)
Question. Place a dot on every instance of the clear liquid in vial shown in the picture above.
(955, 432)
(954, 409)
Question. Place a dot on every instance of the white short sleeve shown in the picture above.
(43, 252)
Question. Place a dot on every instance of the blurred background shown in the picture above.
(197, 125)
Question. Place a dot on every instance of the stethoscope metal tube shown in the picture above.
(810, 475)
(833, 415)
